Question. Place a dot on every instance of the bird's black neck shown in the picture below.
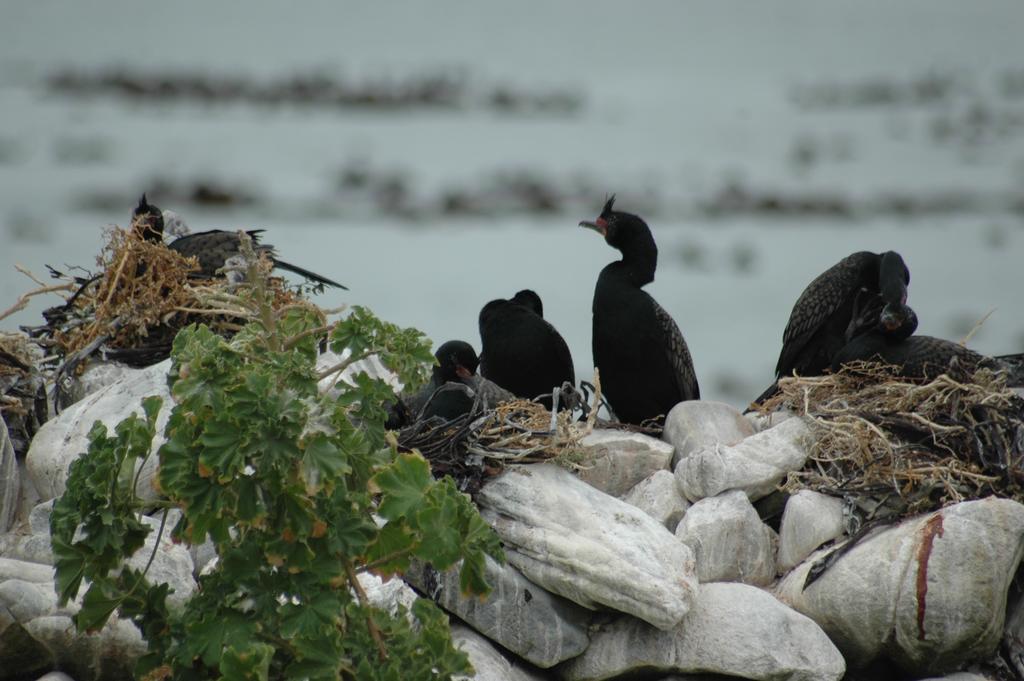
(639, 258)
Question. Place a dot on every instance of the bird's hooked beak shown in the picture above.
(462, 372)
(891, 318)
(599, 225)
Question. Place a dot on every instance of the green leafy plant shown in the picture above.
(299, 490)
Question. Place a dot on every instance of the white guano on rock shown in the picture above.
(733, 629)
(755, 465)
(589, 547)
(729, 541)
(928, 594)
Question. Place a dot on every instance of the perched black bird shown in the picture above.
(644, 364)
(841, 301)
(520, 350)
(211, 248)
(451, 391)
(890, 341)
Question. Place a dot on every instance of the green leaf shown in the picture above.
(209, 637)
(250, 662)
(311, 619)
(402, 485)
(97, 607)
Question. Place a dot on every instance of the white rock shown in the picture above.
(729, 541)
(39, 518)
(658, 496)
(928, 594)
(26, 571)
(538, 626)
(10, 480)
(733, 630)
(64, 438)
(810, 520)
(589, 547)
(388, 595)
(172, 563)
(27, 600)
(755, 465)
(762, 421)
(614, 461)
(697, 424)
(488, 663)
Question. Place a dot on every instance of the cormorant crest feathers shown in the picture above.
(608, 206)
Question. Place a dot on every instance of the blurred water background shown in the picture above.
(434, 156)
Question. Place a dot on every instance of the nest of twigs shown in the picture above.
(142, 296)
(479, 444)
(894, 447)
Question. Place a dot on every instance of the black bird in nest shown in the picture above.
(521, 351)
(841, 301)
(212, 248)
(644, 363)
(891, 341)
(452, 390)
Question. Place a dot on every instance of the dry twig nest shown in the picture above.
(144, 294)
(894, 447)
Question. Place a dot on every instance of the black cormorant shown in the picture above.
(840, 302)
(891, 341)
(644, 364)
(520, 350)
(453, 387)
(211, 248)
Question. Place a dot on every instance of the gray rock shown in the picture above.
(1013, 634)
(810, 520)
(658, 496)
(519, 615)
(698, 424)
(10, 480)
(958, 676)
(64, 438)
(729, 541)
(488, 663)
(733, 629)
(930, 593)
(55, 676)
(25, 571)
(39, 518)
(614, 461)
(21, 655)
(27, 600)
(589, 547)
(755, 465)
(109, 653)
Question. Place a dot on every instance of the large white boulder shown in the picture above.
(755, 465)
(734, 630)
(589, 547)
(66, 437)
(694, 425)
(614, 461)
(729, 541)
(810, 520)
(928, 594)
